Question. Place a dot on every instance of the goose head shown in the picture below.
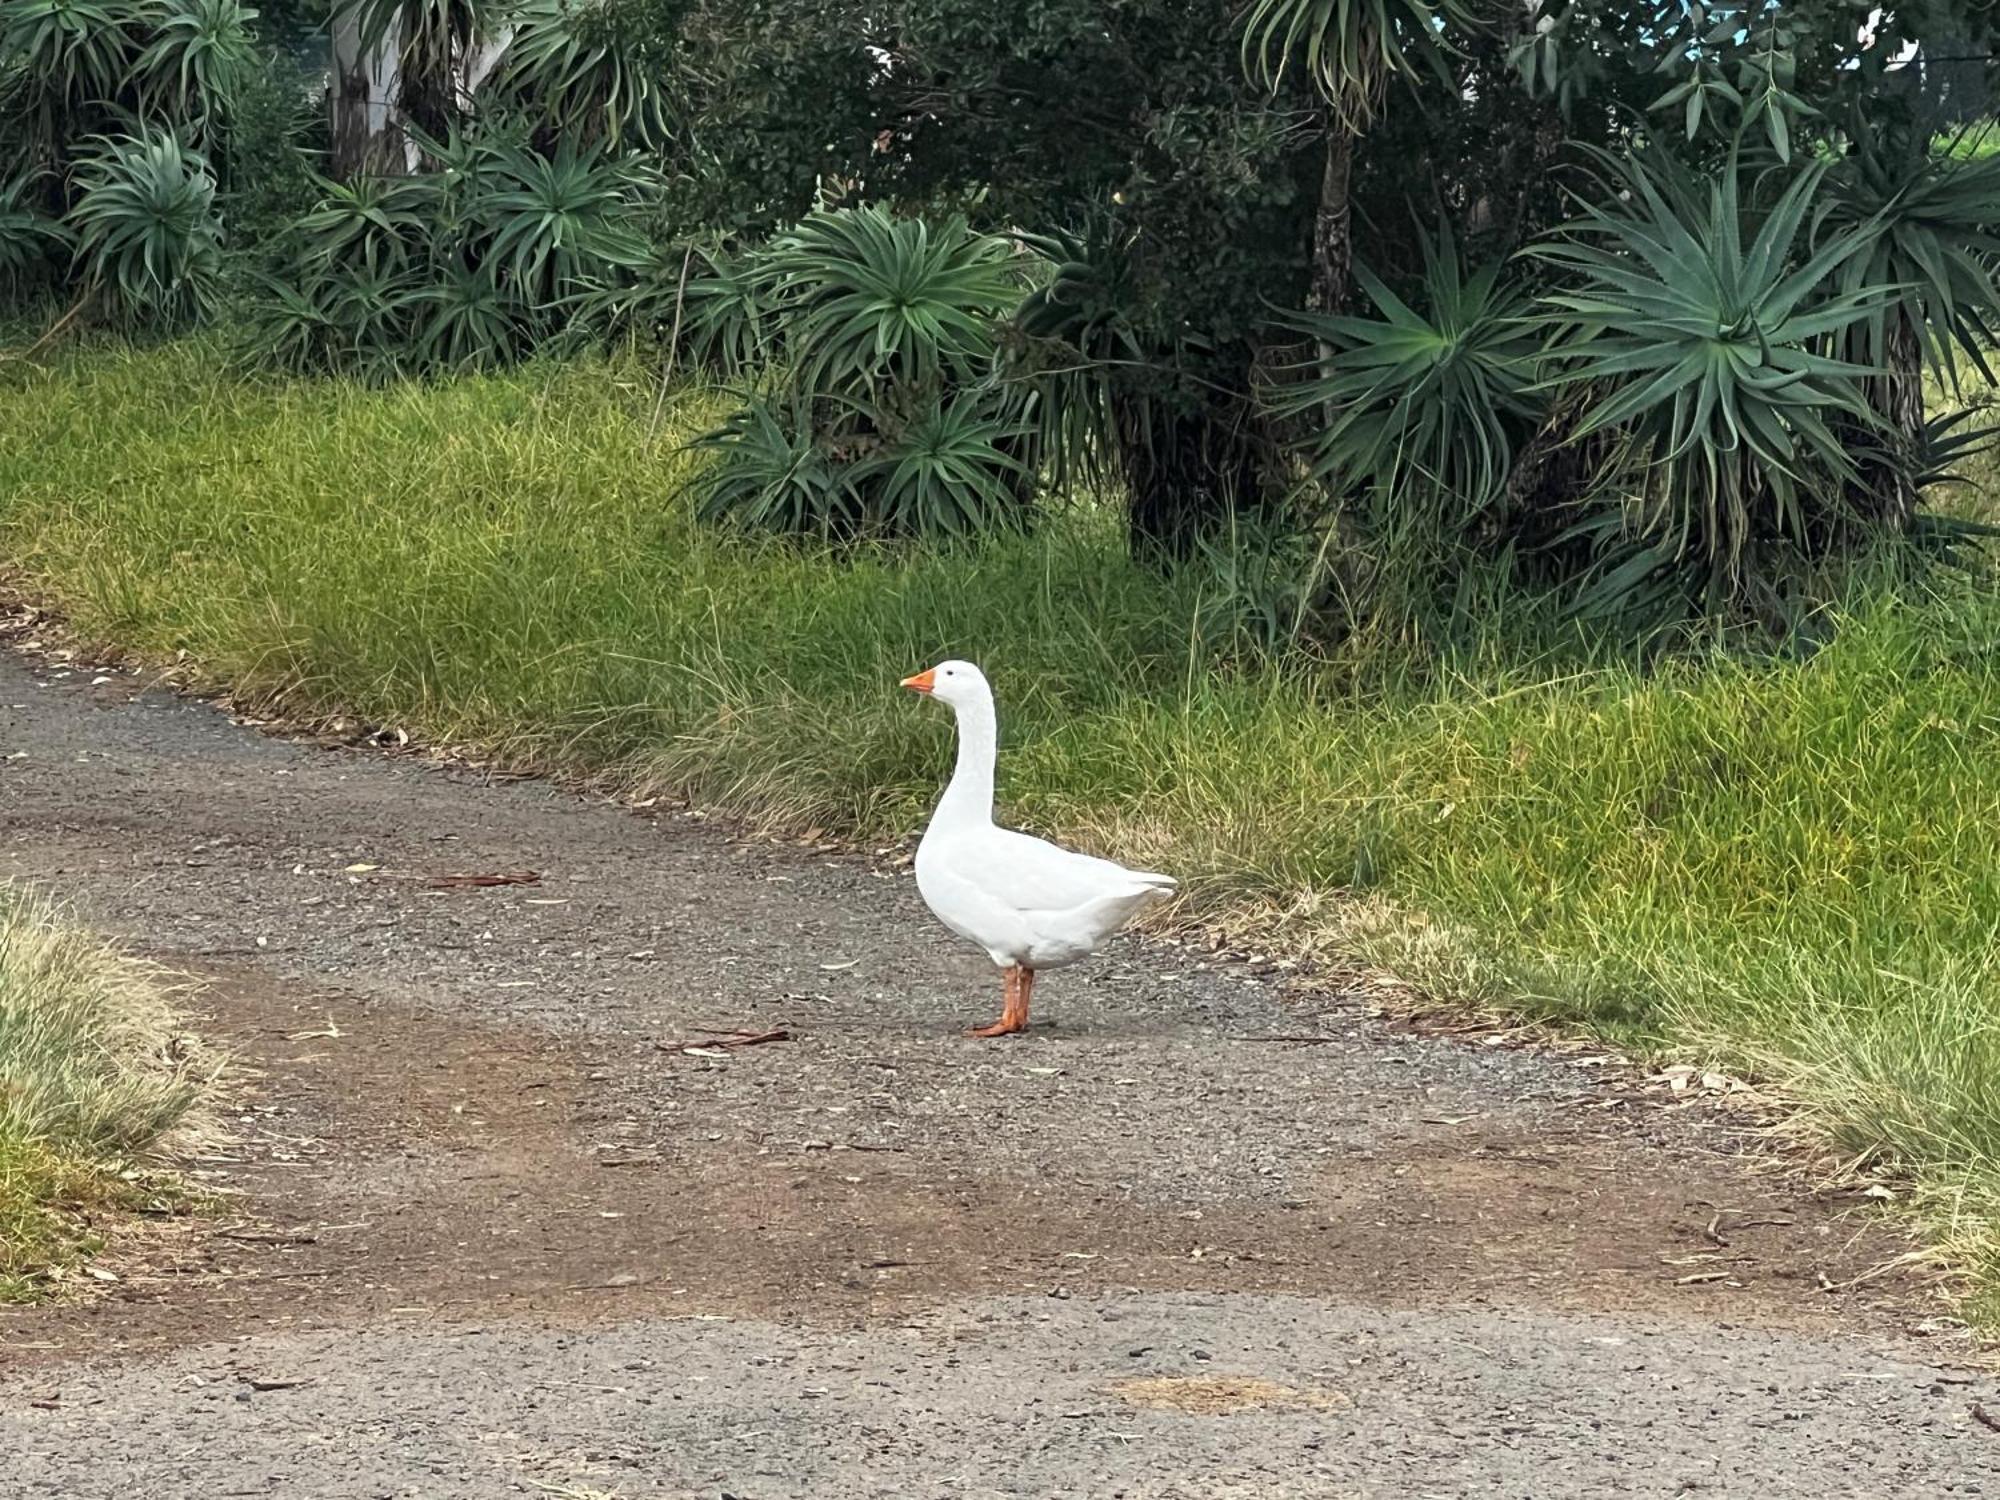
(958, 683)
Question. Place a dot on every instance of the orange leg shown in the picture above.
(1017, 985)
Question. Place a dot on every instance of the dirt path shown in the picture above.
(500, 1236)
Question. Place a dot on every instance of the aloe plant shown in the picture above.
(1927, 221)
(549, 220)
(867, 298)
(147, 234)
(498, 250)
(465, 319)
(31, 243)
(383, 222)
(1417, 408)
(773, 473)
(562, 71)
(948, 468)
(890, 418)
(1348, 49)
(1073, 347)
(69, 53)
(1696, 331)
(196, 62)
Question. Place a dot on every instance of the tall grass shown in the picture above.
(91, 1078)
(1785, 864)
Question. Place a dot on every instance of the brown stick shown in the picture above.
(731, 1040)
(1294, 1038)
(54, 330)
(254, 1237)
(673, 349)
(462, 882)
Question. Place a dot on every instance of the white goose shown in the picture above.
(1029, 904)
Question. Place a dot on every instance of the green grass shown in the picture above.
(91, 1080)
(1971, 144)
(1786, 866)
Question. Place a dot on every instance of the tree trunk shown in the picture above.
(1333, 241)
(367, 122)
(1899, 397)
(429, 95)
(1332, 273)
(479, 61)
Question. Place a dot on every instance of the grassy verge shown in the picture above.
(1786, 866)
(91, 1078)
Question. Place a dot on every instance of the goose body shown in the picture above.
(1030, 904)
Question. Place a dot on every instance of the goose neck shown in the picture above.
(969, 797)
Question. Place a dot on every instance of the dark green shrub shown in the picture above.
(148, 239)
(891, 418)
(476, 263)
(1417, 411)
(33, 246)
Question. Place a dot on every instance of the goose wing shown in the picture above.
(1031, 875)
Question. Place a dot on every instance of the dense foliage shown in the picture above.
(115, 116)
(884, 416)
(1615, 296)
(475, 262)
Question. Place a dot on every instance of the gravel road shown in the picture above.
(492, 1230)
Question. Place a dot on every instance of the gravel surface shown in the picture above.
(1135, 1396)
(500, 1234)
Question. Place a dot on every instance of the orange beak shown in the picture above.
(923, 682)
